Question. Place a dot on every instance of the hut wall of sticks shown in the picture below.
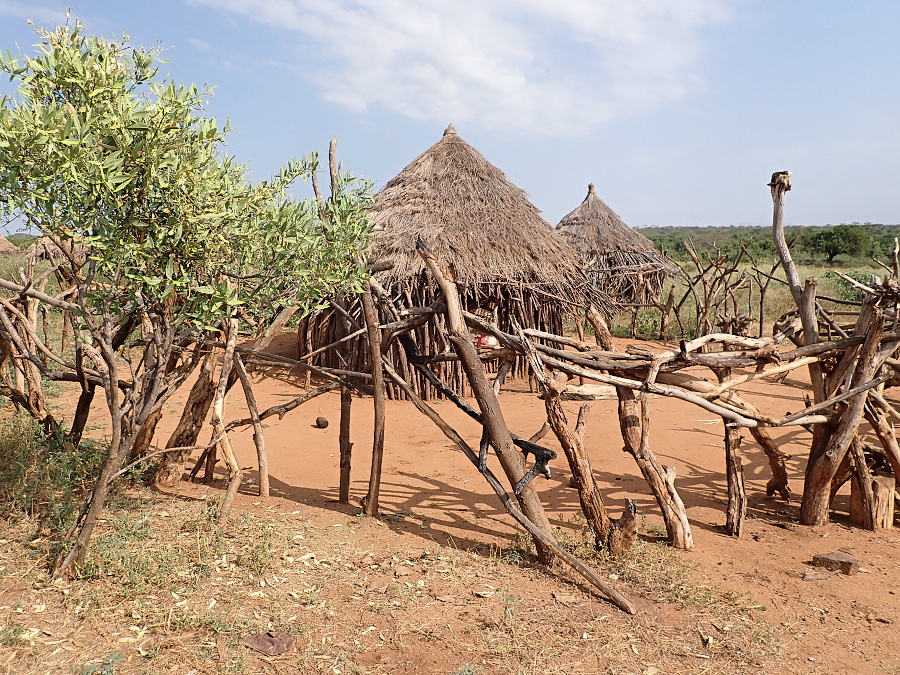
(617, 258)
(507, 261)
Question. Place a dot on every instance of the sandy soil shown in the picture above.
(839, 624)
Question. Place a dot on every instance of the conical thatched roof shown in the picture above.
(7, 247)
(595, 228)
(614, 255)
(509, 263)
(476, 221)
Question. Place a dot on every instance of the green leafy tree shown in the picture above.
(852, 240)
(163, 236)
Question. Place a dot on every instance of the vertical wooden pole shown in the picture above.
(346, 447)
(736, 511)
(370, 503)
(218, 423)
(737, 494)
(862, 496)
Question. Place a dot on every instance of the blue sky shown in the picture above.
(678, 110)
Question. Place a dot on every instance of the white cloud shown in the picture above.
(557, 67)
(199, 44)
(42, 15)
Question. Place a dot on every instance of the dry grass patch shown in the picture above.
(165, 591)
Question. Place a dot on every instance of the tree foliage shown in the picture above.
(96, 149)
(163, 235)
(852, 240)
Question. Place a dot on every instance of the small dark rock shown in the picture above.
(321, 422)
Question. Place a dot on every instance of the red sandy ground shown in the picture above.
(842, 624)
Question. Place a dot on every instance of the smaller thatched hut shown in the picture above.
(508, 262)
(617, 258)
(7, 247)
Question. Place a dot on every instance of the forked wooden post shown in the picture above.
(634, 422)
(572, 444)
(511, 459)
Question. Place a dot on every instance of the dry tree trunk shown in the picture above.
(601, 331)
(734, 471)
(664, 309)
(823, 465)
(862, 487)
(737, 494)
(217, 422)
(624, 530)
(634, 423)
(196, 408)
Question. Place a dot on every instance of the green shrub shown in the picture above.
(846, 290)
(40, 476)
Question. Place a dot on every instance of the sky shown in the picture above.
(678, 110)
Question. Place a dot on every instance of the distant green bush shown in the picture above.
(874, 239)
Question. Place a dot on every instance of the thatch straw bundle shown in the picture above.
(508, 262)
(620, 260)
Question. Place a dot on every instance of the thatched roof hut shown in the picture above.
(45, 248)
(507, 260)
(616, 257)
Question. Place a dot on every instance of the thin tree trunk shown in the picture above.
(602, 336)
(573, 445)
(737, 494)
(862, 483)
(145, 435)
(65, 564)
(218, 424)
(82, 413)
(196, 408)
(370, 505)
